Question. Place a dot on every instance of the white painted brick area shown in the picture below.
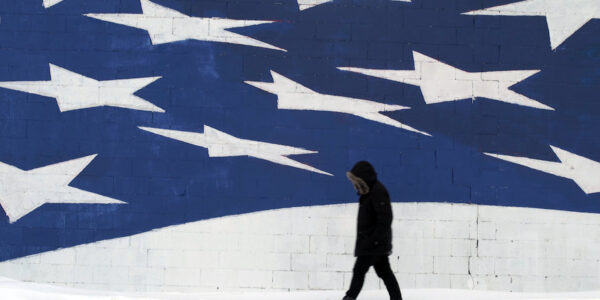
(436, 245)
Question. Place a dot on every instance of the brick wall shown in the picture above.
(550, 244)
(435, 246)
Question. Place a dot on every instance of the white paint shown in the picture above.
(220, 144)
(306, 4)
(21, 191)
(74, 91)
(436, 245)
(292, 95)
(564, 18)
(49, 3)
(12, 289)
(165, 25)
(440, 82)
(585, 172)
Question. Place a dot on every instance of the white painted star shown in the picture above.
(165, 25)
(74, 91)
(21, 191)
(585, 172)
(220, 144)
(440, 82)
(563, 17)
(306, 4)
(48, 3)
(292, 95)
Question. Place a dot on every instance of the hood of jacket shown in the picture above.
(363, 177)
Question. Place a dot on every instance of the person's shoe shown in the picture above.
(348, 298)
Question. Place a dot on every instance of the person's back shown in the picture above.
(374, 224)
(374, 231)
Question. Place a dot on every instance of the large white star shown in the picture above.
(292, 95)
(220, 144)
(74, 91)
(21, 191)
(585, 172)
(440, 82)
(564, 17)
(165, 25)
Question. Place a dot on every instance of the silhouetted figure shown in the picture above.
(374, 231)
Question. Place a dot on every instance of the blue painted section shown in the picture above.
(167, 182)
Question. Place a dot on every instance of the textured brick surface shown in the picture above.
(157, 261)
(193, 222)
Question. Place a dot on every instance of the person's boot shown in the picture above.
(348, 298)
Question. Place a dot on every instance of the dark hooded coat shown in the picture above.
(374, 226)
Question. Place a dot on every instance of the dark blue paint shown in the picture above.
(166, 182)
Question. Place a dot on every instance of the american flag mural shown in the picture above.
(118, 117)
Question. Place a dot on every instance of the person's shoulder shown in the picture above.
(379, 189)
(379, 186)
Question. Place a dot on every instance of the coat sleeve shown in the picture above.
(383, 213)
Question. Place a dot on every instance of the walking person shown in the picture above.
(374, 231)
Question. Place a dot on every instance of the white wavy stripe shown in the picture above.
(436, 245)
(12, 289)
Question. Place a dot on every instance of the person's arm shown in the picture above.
(383, 212)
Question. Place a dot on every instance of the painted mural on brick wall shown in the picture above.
(119, 117)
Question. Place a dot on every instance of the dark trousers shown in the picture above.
(383, 270)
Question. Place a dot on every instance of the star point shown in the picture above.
(21, 192)
(165, 25)
(74, 91)
(440, 82)
(306, 4)
(49, 3)
(583, 171)
(564, 18)
(294, 96)
(221, 144)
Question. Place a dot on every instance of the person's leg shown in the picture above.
(384, 271)
(361, 266)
